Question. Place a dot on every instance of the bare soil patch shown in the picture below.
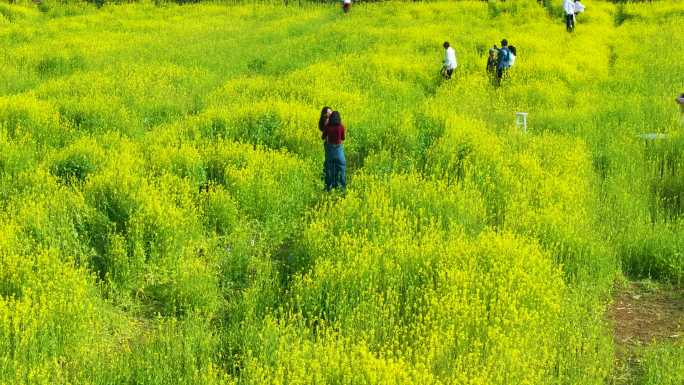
(643, 313)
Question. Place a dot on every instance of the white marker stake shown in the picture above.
(521, 120)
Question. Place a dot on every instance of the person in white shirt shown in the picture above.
(511, 55)
(569, 8)
(449, 61)
(346, 4)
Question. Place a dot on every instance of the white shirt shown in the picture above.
(450, 58)
(579, 7)
(347, 1)
(569, 7)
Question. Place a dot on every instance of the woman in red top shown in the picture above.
(335, 164)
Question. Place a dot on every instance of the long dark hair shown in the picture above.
(323, 118)
(335, 118)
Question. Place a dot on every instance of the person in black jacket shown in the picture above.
(322, 122)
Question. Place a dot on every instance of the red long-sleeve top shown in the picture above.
(333, 133)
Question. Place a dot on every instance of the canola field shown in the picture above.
(163, 220)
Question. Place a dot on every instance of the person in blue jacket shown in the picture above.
(503, 60)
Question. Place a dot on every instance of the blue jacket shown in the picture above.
(503, 58)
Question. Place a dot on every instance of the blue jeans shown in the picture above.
(335, 167)
(325, 162)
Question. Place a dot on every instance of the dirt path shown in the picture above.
(643, 313)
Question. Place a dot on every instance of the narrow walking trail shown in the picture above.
(643, 313)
